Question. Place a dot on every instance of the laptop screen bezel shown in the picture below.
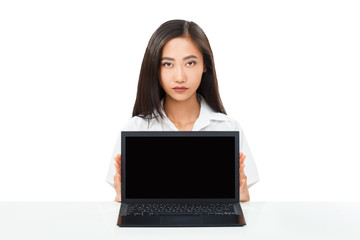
(125, 134)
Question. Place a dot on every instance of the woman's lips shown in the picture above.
(180, 89)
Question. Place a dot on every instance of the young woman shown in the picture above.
(178, 91)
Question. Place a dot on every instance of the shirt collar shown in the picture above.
(205, 116)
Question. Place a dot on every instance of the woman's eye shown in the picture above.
(191, 63)
(167, 64)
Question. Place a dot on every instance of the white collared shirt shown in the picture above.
(208, 120)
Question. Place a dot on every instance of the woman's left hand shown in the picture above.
(244, 192)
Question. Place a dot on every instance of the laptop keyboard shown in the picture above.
(179, 209)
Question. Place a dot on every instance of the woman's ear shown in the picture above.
(204, 68)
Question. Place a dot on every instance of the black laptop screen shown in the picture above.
(180, 167)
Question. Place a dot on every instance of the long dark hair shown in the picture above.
(150, 92)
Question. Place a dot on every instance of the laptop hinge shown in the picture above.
(123, 209)
(237, 209)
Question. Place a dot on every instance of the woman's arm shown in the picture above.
(244, 191)
(117, 178)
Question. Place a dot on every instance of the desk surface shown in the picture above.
(93, 220)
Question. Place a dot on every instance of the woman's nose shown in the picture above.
(180, 74)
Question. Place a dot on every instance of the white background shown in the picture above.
(288, 72)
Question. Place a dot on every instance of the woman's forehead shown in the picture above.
(180, 47)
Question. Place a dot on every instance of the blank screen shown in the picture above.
(180, 167)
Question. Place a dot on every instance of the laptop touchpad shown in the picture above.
(181, 220)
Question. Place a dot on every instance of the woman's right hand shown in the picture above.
(117, 178)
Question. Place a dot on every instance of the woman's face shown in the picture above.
(181, 68)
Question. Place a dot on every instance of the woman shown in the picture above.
(178, 91)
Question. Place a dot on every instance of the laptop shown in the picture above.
(180, 179)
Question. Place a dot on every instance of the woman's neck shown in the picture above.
(182, 113)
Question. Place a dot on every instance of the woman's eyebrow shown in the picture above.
(167, 58)
(188, 57)
(185, 58)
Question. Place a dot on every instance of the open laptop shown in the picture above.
(180, 179)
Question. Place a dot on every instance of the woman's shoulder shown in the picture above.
(219, 120)
(225, 122)
(137, 123)
(207, 114)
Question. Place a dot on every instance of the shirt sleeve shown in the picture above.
(250, 166)
(111, 170)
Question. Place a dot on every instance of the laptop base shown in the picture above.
(181, 221)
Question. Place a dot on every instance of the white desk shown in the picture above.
(265, 220)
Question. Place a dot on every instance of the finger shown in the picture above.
(118, 169)
(242, 167)
(242, 175)
(117, 158)
(117, 166)
(117, 178)
(241, 163)
(118, 161)
(242, 158)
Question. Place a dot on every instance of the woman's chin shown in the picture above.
(180, 97)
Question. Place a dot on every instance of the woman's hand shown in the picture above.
(244, 192)
(117, 178)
